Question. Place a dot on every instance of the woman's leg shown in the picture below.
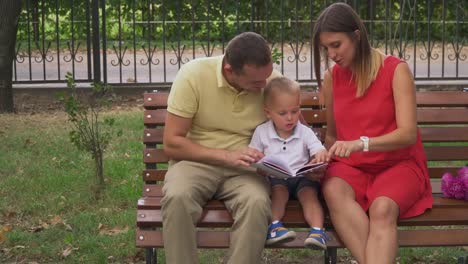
(388, 201)
(349, 219)
(382, 244)
(279, 199)
(311, 207)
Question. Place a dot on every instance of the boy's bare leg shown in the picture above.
(311, 207)
(279, 199)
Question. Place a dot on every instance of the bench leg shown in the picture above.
(151, 256)
(330, 256)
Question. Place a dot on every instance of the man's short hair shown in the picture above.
(247, 48)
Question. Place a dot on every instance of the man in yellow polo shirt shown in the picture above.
(213, 108)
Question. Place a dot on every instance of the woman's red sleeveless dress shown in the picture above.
(403, 172)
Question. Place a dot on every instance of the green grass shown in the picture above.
(48, 202)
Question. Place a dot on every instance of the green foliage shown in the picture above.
(276, 56)
(89, 132)
(218, 21)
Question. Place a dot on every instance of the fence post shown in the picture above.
(95, 41)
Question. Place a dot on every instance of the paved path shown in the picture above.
(164, 71)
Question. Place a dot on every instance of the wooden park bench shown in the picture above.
(443, 121)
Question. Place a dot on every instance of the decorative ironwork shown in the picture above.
(402, 42)
(178, 53)
(457, 49)
(206, 49)
(149, 56)
(73, 53)
(43, 53)
(296, 52)
(428, 51)
(19, 55)
(120, 55)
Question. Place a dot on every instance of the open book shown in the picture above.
(278, 168)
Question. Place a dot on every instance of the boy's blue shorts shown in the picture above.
(294, 185)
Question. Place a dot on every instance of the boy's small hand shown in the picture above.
(321, 156)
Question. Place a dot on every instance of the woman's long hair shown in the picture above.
(341, 18)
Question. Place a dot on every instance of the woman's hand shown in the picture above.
(344, 149)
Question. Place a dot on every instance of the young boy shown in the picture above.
(285, 137)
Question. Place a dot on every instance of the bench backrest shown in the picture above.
(442, 118)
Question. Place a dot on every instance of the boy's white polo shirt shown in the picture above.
(296, 150)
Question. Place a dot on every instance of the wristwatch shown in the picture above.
(365, 140)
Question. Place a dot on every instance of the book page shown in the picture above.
(311, 167)
(277, 162)
(272, 171)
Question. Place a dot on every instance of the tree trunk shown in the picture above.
(9, 15)
(99, 160)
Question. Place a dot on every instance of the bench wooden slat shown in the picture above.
(310, 99)
(153, 190)
(153, 135)
(428, 134)
(425, 116)
(155, 117)
(159, 100)
(444, 134)
(155, 100)
(406, 238)
(443, 116)
(154, 202)
(444, 153)
(442, 99)
(426, 99)
(434, 153)
(294, 218)
(152, 155)
(158, 175)
(153, 175)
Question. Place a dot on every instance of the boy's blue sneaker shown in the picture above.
(277, 233)
(317, 239)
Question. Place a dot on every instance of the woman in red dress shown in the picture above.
(378, 171)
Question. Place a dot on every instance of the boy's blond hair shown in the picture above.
(280, 85)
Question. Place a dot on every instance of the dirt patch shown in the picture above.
(44, 101)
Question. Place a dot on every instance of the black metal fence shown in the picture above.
(132, 42)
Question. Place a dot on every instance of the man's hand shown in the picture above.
(242, 157)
